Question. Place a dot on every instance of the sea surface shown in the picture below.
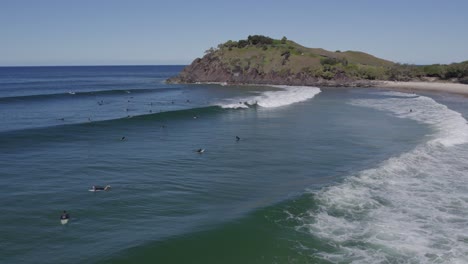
(319, 175)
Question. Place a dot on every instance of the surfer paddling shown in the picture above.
(200, 150)
(100, 188)
(64, 216)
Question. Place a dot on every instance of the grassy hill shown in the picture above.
(260, 59)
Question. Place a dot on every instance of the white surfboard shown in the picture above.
(64, 221)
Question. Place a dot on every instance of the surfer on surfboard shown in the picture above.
(64, 217)
(100, 188)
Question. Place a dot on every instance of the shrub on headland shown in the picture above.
(255, 40)
(446, 72)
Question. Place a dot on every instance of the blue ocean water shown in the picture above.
(319, 175)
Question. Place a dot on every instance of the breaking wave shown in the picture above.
(410, 209)
(285, 96)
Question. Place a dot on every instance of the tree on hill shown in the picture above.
(259, 40)
(283, 40)
(242, 43)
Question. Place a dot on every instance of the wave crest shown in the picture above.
(286, 96)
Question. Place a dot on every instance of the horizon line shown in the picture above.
(90, 65)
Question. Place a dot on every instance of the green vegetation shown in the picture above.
(287, 58)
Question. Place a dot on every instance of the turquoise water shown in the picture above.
(318, 176)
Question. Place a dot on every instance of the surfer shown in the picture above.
(100, 188)
(201, 150)
(64, 216)
(122, 139)
(237, 138)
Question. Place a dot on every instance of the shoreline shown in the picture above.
(452, 88)
(411, 86)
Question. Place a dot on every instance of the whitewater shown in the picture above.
(411, 208)
(285, 95)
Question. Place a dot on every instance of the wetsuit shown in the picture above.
(64, 216)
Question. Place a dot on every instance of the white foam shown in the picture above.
(270, 99)
(450, 127)
(410, 209)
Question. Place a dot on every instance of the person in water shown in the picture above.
(237, 138)
(100, 188)
(64, 215)
(200, 150)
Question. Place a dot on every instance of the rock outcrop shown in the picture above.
(211, 69)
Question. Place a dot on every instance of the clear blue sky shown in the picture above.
(101, 32)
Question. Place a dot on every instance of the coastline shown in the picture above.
(411, 86)
(453, 88)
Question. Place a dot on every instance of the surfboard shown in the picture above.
(64, 221)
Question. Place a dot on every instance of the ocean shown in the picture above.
(318, 175)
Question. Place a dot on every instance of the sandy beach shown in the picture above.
(456, 88)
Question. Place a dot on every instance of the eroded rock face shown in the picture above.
(211, 69)
(208, 69)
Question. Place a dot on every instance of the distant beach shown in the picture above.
(412, 86)
(456, 88)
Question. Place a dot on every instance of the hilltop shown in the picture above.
(263, 60)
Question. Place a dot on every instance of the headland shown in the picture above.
(263, 60)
